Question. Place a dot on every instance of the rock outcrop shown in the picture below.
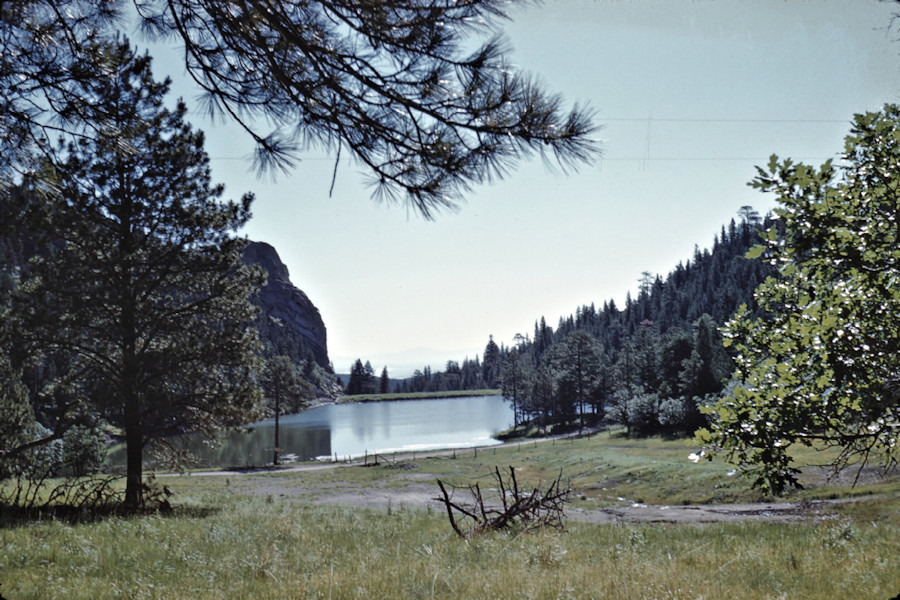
(290, 323)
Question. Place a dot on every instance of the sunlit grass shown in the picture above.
(603, 469)
(231, 537)
(223, 546)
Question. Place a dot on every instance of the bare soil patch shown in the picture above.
(416, 489)
(708, 513)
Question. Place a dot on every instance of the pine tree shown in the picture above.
(514, 382)
(144, 292)
(16, 418)
(369, 384)
(403, 87)
(384, 385)
(577, 363)
(491, 363)
(284, 390)
(356, 382)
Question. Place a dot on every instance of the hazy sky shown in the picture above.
(692, 94)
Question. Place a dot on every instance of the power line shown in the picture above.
(649, 121)
(751, 121)
(706, 158)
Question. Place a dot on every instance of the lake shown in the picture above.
(351, 430)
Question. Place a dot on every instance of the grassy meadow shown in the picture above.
(276, 535)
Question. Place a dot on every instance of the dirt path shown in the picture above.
(707, 513)
(418, 490)
(420, 494)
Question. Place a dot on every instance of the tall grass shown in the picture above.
(234, 537)
(241, 547)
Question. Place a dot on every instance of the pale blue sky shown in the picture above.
(692, 94)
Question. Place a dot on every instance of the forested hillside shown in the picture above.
(647, 364)
(651, 363)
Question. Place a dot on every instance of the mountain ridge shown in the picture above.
(289, 321)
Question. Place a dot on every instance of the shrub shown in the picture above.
(83, 451)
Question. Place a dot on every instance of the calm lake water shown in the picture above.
(349, 430)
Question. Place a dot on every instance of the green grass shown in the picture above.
(239, 547)
(230, 538)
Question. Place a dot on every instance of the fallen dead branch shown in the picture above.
(517, 508)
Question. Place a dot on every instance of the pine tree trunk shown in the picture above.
(134, 448)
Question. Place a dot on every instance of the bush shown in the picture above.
(643, 414)
(83, 451)
(673, 414)
(40, 461)
(638, 411)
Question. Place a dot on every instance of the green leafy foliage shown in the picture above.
(83, 450)
(822, 366)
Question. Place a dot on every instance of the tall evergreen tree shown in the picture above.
(144, 292)
(384, 384)
(369, 384)
(284, 390)
(577, 361)
(16, 418)
(716, 366)
(356, 382)
(514, 382)
(491, 363)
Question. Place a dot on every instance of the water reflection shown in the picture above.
(348, 430)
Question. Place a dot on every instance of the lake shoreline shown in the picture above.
(378, 458)
(344, 430)
(365, 398)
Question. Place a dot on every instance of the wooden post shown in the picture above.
(275, 458)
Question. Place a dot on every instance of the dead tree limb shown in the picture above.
(517, 508)
(450, 506)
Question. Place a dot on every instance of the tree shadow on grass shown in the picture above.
(16, 516)
(87, 499)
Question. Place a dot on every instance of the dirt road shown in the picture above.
(418, 490)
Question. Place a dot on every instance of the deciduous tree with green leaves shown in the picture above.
(823, 367)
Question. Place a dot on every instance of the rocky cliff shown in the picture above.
(289, 324)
